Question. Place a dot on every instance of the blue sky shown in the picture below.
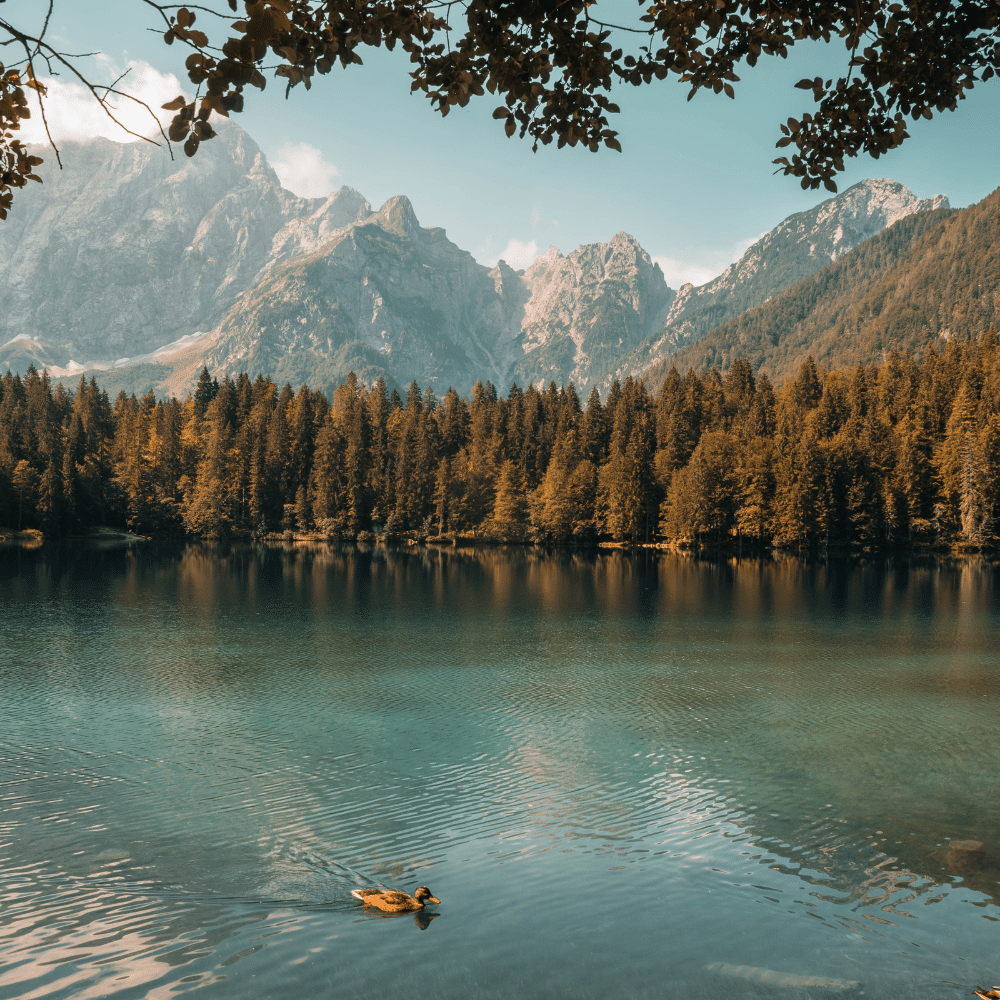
(694, 184)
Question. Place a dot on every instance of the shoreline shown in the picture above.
(33, 537)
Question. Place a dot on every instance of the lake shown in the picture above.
(623, 775)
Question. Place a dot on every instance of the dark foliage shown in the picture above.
(552, 63)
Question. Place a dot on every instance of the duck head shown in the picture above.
(423, 895)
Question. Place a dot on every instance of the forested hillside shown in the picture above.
(934, 274)
(879, 455)
(795, 249)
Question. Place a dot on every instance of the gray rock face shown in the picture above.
(382, 296)
(589, 309)
(133, 261)
(126, 250)
(127, 258)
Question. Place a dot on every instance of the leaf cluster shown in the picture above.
(553, 64)
(17, 165)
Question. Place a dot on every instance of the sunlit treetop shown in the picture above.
(551, 64)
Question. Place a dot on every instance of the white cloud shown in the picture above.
(73, 113)
(680, 272)
(303, 171)
(701, 268)
(519, 254)
(744, 245)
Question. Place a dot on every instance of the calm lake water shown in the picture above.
(644, 776)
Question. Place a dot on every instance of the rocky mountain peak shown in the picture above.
(861, 212)
(797, 247)
(625, 241)
(397, 216)
(504, 276)
(209, 260)
(316, 222)
(602, 298)
(343, 207)
(544, 261)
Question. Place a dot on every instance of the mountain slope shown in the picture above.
(129, 262)
(128, 250)
(381, 297)
(588, 309)
(146, 268)
(931, 276)
(799, 246)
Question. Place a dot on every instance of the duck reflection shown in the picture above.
(422, 918)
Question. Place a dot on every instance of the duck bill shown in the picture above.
(432, 899)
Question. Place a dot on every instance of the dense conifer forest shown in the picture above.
(892, 454)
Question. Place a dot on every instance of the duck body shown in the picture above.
(993, 994)
(390, 901)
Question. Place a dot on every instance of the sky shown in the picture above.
(694, 183)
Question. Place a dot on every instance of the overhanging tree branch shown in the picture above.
(553, 65)
(16, 164)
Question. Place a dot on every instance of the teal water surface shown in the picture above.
(624, 776)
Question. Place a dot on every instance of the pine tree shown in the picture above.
(740, 387)
(702, 501)
(754, 490)
(205, 392)
(328, 488)
(974, 510)
(552, 506)
(25, 486)
(209, 509)
(802, 502)
(761, 420)
(807, 388)
(303, 514)
(445, 498)
(510, 508)
(50, 499)
(276, 459)
(596, 433)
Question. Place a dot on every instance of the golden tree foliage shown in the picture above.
(877, 456)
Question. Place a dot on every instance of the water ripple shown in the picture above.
(599, 764)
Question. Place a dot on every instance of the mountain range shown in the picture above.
(929, 277)
(142, 269)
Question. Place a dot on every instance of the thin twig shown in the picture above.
(197, 48)
(621, 27)
(49, 53)
(162, 7)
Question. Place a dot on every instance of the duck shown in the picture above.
(395, 902)
(993, 994)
